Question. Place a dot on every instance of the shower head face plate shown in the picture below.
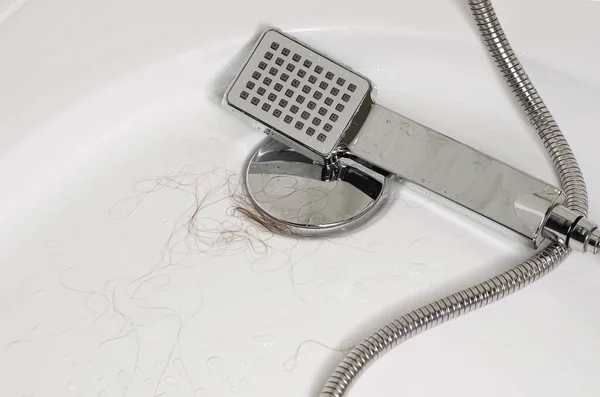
(299, 96)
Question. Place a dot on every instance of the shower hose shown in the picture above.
(459, 303)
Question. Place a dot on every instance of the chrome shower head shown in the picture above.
(299, 96)
(324, 110)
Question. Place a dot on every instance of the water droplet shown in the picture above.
(230, 380)
(102, 382)
(266, 341)
(477, 165)
(179, 367)
(388, 121)
(233, 390)
(171, 321)
(71, 386)
(218, 368)
(417, 269)
(112, 345)
(242, 363)
(201, 392)
(148, 381)
(260, 365)
(101, 394)
(169, 380)
(420, 244)
(123, 377)
(360, 292)
(329, 302)
(399, 268)
(245, 383)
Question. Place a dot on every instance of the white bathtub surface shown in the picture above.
(111, 284)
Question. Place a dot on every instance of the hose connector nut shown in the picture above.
(568, 228)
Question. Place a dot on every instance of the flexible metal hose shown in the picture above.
(440, 311)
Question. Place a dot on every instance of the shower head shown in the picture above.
(323, 110)
(299, 96)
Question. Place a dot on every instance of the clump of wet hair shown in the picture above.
(243, 228)
(246, 208)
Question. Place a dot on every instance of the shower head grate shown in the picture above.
(295, 92)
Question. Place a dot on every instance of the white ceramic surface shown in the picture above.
(110, 129)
